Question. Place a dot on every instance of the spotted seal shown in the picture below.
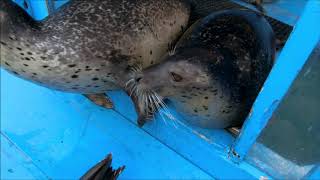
(87, 46)
(214, 73)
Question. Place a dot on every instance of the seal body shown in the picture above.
(88, 45)
(216, 70)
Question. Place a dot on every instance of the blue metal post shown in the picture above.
(299, 46)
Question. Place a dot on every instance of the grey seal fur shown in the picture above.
(214, 73)
(87, 46)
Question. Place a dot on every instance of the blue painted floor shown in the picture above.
(51, 134)
(46, 133)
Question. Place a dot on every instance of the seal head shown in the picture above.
(215, 72)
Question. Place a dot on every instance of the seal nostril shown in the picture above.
(138, 79)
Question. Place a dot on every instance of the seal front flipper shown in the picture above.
(101, 100)
(103, 170)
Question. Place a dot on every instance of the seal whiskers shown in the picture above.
(148, 102)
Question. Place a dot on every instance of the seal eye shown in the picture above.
(176, 77)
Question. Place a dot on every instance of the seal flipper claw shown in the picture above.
(101, 100)
(141, 121)
(103, 170)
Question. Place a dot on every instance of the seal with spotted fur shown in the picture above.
(88, 46)
(214, 73)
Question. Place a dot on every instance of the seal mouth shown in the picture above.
(146, 101)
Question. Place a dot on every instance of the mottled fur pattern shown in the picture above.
(88, 45)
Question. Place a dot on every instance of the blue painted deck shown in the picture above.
(46, 133)
(60, 135)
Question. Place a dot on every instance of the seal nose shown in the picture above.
(138, 78)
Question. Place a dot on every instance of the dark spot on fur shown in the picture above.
(12, 37)
(22, 54)
(95, 79)
(15, 73)
(195, 110)
(87, 67)
(102, 65)
(72, 65)
(25, 64)
(43, 58)
(97, 69)
(3, 43)
(27, 59)
(109, 74)
(206, 97)
(74, 76)
(150, 52)
(205, 107)
(34, 74)
(96, 86)
(30, 53)
(6, 63)
(152, 62)
(45, 66)
(19, 48)
(214, 90)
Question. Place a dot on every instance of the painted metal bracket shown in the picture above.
(302, 41)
